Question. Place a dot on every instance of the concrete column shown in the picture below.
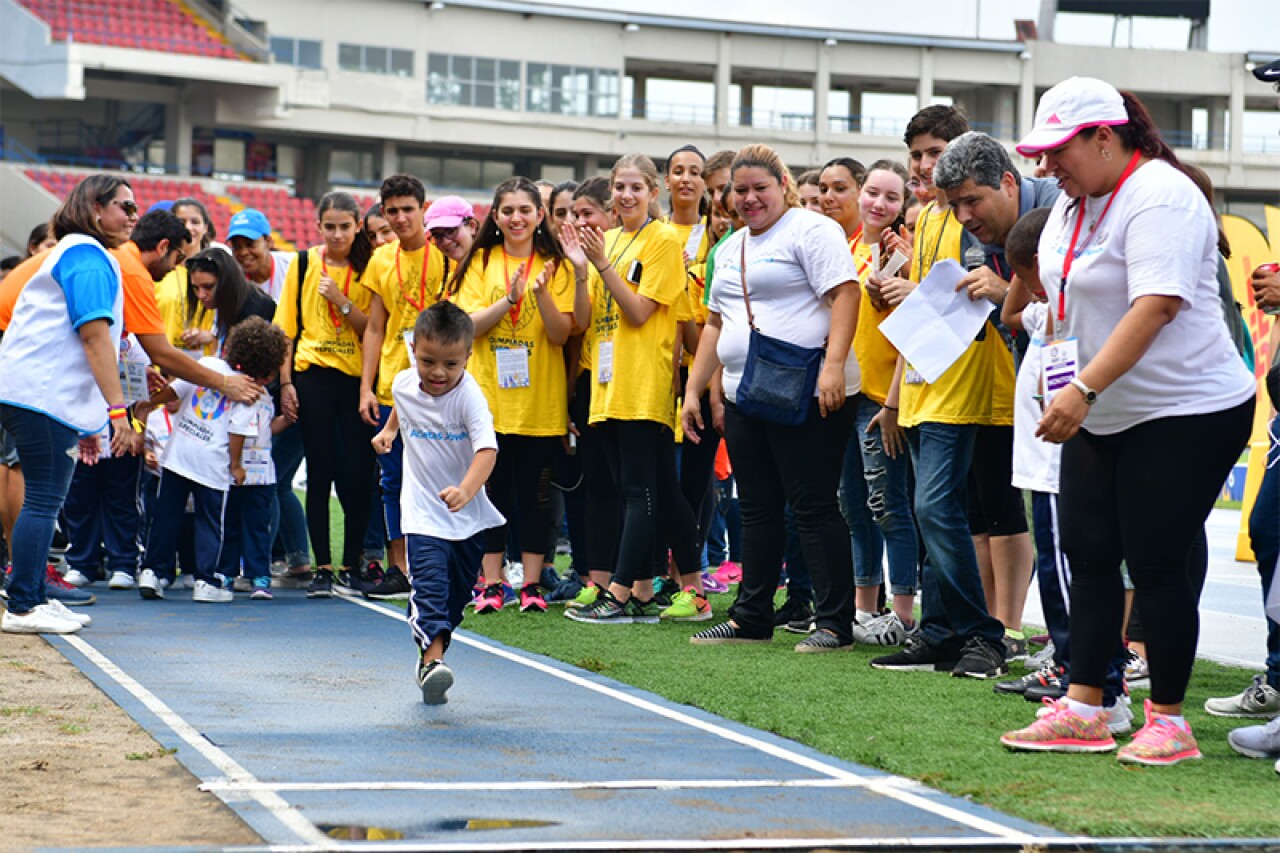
(390, 159)
(177, 136)
(314, 180)
(1027, 93)
(855, 110)
(822, 94)
(590, 166)
(746, 119)
(924, 88)
(1218, 108)
(638, 97)
(724, 78)
(1235, 161)
(1005, 114)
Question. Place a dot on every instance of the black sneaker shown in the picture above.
(793, 610)
(373, 575)
(321, 585)
(725, 632)
(349, 582)
(918, 654)
(663, 590)
(394, 587)
(434, 680)
(1053, 691)
(1042, 677)
(981, 659)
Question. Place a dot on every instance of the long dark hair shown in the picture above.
(210, 232)
(490, 234)
(361, 245)
(229, 295)
(1139, 133)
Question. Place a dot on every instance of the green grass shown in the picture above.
(940, 730)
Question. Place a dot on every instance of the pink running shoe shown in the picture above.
(729, 572)
(531, 600)
(1160, 742)
(1061, 730)
(490, 601)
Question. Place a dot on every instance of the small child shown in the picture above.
(255, 348)
(450, 448)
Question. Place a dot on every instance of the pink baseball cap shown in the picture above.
(1070, 107)
(448, 212)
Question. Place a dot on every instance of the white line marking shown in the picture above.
(273, 803)
(893, 790)
(231, 785)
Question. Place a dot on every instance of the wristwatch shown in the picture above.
(345, 310)
(1090, 395)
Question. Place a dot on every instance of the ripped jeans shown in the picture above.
(875, 497)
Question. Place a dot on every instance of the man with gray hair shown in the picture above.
(988, 196)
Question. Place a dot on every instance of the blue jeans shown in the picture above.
(166, 524)
(1264, 533)
(391, 466)
(952, 604)
(43, 447)
(875, 496)
(442, 573)
(288, 519)
(724, 539)
(103, 516)
(244, 538)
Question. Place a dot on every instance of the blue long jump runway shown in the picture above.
(304, 717)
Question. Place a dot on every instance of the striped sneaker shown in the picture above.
(1061, 730)
(1160, 742)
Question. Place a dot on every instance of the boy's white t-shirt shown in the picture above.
(199, 447)
(156, 437)
(253, 421)
(1035, 462)
(1159, 238)
(441, 436)
(790, 270)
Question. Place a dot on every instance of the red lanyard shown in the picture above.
(422, 285)
(1075, 235)
(334, 313)
(854, 242)
(514, 313)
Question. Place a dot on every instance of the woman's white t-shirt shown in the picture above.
(790, 270)
(1159, 238)
(1035, 461)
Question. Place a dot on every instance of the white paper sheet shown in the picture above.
(935, 325)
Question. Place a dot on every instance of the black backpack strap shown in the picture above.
(302, 278)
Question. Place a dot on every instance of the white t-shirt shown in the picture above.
(441, 436)
(790, 270)
(274, 285)
(198, 448)
(1035, 461)
(156, 438)
(253, 421)
(1159, 238)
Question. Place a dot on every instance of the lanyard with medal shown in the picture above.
(1061, 359)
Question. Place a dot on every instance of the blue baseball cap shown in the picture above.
(249, 223)
(161, 205)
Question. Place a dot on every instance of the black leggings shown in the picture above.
(996, 508)
(521, 483)
(697, 473)
(1142, 495)
(336, 441)
(642, 459)
(603, 504)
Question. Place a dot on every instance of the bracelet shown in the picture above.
(510, 301)
(286, 384)
(117, 412)
(891, 408)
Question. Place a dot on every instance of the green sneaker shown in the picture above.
(606, 611)
(688, 606)
(586, 597)
(643, 612)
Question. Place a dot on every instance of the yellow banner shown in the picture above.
(1249, 248)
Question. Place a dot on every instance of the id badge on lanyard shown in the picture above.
(133, 376)
(1059, 364)
(513, 367)
(256, 462)
(604, 362)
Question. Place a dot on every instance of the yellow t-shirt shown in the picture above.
(171, 299)
(325, 342)
(594, 284)
(696, 264)
(642, 356)
(978, 388)
(877, 358)
(406, 289)
(535, 398)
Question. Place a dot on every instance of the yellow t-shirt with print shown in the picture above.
(594, 284)
(642, 356)
(407, 287)
(696, 260)
(877, 358)
(536, 404)
(171, 299)
(978, 388)
(325, 342)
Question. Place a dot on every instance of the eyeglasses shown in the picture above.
(129, 207)
(445, 233)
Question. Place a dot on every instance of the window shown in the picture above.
(375, 60)
(457, 173)
(304, 53)
(570, 90)
(473, 81)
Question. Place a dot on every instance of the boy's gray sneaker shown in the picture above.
(1259, 701)
(1257, 741)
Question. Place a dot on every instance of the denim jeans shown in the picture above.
(244, 539)
(103, 517)
(391, 472)
(875, 497)
(166, 524)
(1264, 533)
(952, 604)
(43, 451)
(724, 541)
(289, 522)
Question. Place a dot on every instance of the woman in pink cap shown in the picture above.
(1147, 395)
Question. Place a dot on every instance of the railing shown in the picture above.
(13, 150)
(678, 113)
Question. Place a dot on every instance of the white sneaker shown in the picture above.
(121, 580)
(885, 630)
(1041, 659)
(77, 578)
(62, 611)
(150, 586)
(210, 594)
(41, 620)
(1119, 717)
(186, 581)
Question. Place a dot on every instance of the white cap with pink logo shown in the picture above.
(1070, 107)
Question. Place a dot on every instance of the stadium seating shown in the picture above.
(159, 25)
